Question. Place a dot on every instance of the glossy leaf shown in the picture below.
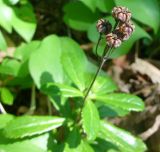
(145, 11)
(74, 62)
(76, 145)
(90, 120)
(36, 144)
(111, 111)
(24, 51)
(24, 21)
(82, 147)
(78, 16)
(103, 84)
(66, 90)
(21, 18)
(121, 100)
(4, 119)
(6, 18)
(12, 2)
(90, 4)
(45, 66)
(102, 145)
(122, 139)
(10, 67)
(105, 5)
(31, 125)
(6, 96)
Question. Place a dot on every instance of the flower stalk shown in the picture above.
(123, 29)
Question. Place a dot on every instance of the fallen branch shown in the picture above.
(145, 135)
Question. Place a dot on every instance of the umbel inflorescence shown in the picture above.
(122, 30)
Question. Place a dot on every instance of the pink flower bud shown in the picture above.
(103, 26)
(121, 13)
(113, 40)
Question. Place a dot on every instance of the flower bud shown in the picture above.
(113, 40)
(121, 13)
(126, 30)
(103, 26)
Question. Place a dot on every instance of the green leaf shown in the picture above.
(103, 85)
(145, 11)
(125, 101)
(90, 120)
(102, 145)
(10, 67)
(76, 145)
(24, 21)
(90, 4)
(12, 2)
(122, 139)
(31, 125)
(3, 44)
(67, 91)
(78, 16)
(4, 119)
(6, 96)
(45, 66)
(82, 147)
(6, 16)
(36, 144)
(111, 111)
(105, 5)
(24, 51)
(74, 62)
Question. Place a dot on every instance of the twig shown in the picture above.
(2, 109)
(49, 106)
(33, 101)
(145, 135)
(99, 39)
(105, 57)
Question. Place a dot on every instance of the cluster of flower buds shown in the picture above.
(122, 31)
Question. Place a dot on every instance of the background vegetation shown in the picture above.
(47, 62)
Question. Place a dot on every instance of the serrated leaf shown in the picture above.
(31, 125)
(36, 144)
(74, 62)
(121, 100)
(4, 119)
(149, 11)
(6, 96)
(79, 21)
(122, 139)
(90, 120)
(45, 66)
